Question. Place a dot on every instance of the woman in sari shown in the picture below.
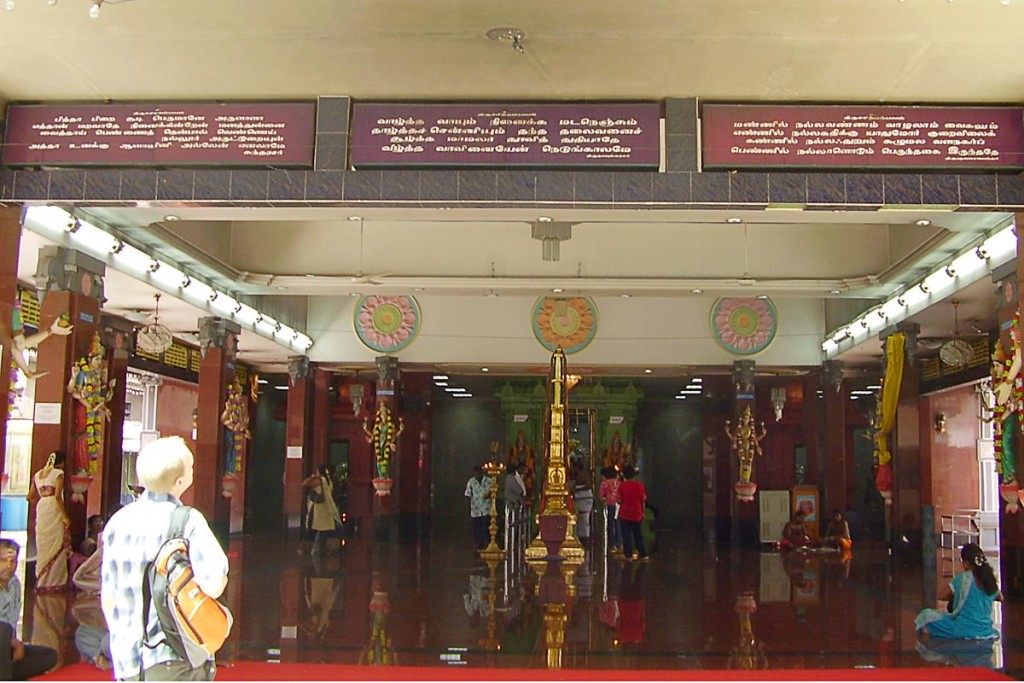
(970, 595)
(53, 536)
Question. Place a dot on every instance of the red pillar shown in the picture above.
(834, 394)
(298, 459)
(10, 244)
(119, 339)
(905, 446)
(70, 283)
(812, 411)
(220, 339)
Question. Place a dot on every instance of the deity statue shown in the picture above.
(89, 386)
(18, 342)
(521, 453)
(617, 455)
(383, 438)
(1005, 402)
(746, 442)
(236, 418)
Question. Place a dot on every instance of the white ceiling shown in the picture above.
(912, 51)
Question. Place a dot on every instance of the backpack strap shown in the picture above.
(176, 530)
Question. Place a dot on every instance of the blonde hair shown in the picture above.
(162, 462)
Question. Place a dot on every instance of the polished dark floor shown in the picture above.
(423, 598)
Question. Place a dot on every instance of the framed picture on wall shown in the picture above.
(806, 498)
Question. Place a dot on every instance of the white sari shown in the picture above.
(53, 538)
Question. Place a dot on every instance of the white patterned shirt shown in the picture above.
(10, 603)
(477, 492)
(131, 539)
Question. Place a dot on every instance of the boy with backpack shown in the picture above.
(150, 648)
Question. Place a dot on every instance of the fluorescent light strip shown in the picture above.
(52, 222)
(965, 269)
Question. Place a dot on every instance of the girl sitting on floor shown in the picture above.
(970, 595)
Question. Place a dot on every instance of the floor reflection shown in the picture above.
(426, 600)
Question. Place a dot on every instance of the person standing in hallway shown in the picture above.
(609, 494)
(325, 518)
(131, 539)
(478, 490)
(583, 499)
(18, 661)
(53, 535)
(632, 496)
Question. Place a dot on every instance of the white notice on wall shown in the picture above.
(519, 418)
(294, 453)
(47, 414)
(616, 420)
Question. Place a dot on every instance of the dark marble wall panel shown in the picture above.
(748, 188)
(787, 188)
(286, 184)
(594, 186)
(671, 187)
(941, 189)
(6, 183)
(710, 188)
(329, 186)
(30, 185)
(332, 136)
(680, 153)
(439, 186)
(478, 186)
(139, 184)
(516, 186)
(865, 189)
(67, 185)
(103, 184)
(1010, 190)
(632, 188)
(978, 190)
(175, 184)
(681, 115)
(212, 185)
(901, 188)
(556, 186)
(362, 185)
(826, 188)
(402, 186)
(249, 186)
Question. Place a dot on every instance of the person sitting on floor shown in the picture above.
(794, 534)
(18, 661)
(970, 594)
(837, 535)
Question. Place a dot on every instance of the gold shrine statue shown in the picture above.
(557, 536)
(747, 443)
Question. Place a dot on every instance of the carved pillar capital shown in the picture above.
(387, 372)
(218, 333)
(298, 368)
(743, 378)
(833, 374)
(69, 270)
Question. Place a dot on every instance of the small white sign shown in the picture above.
(289, 632)
(519, 418)
(294, 453)
(47, 414)
(616, 420)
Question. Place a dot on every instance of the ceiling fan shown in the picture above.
(361, 278)
(954, 352)
(155, 338)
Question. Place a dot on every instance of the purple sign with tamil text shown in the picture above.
(262, 134)
(858, 136)
(624, 135)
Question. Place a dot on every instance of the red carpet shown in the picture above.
(257, 671)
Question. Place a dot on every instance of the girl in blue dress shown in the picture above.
(970, 595)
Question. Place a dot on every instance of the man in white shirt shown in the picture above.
(478, 490)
